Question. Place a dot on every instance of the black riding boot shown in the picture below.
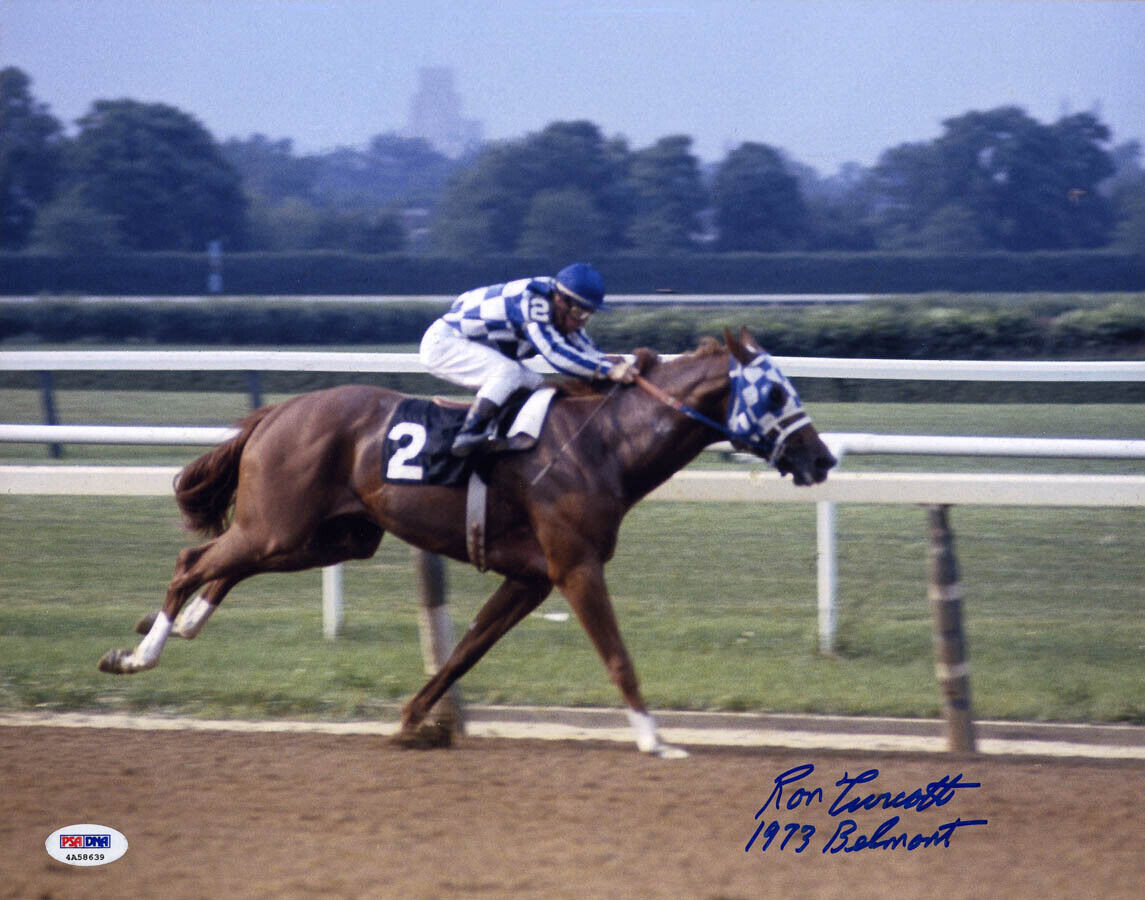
(479, 428)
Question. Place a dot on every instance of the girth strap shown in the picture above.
(475, 521)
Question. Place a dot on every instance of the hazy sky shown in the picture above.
(827, 80)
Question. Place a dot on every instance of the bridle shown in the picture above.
(769, 444)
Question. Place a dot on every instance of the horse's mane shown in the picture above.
(707, 346)
(646, 361)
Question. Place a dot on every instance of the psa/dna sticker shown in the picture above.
(86, 845)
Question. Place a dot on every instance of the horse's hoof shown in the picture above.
(112, 662)
(427, 736)
(143, 626)
(667, 751)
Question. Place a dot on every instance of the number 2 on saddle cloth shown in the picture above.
(416, 449)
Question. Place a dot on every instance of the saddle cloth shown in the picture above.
(416, 446)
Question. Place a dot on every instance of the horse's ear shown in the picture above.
(748, 341)
(738, 350)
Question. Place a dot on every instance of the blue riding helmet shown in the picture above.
(583, 283)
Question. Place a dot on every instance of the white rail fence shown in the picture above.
(311, 361)
(841, 487)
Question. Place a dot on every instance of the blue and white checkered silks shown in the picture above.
(516, 320)
(760, 416)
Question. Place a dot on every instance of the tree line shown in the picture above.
(149, 177)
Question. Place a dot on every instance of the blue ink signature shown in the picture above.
(789, 795)
(841, 841)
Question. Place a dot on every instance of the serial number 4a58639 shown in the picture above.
(80, 857)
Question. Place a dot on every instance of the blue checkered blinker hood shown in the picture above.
(765, 407)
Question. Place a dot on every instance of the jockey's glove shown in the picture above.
(623, 370)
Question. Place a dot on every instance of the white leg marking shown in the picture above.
(647, 739)
(192, 618)
(146, 655)
(645, 727)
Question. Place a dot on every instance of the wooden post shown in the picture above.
(254, 389)
(48, 401)
(950, 654)
(436, 629)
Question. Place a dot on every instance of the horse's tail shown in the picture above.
(205, 488)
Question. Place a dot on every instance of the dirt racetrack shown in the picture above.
(324, 816)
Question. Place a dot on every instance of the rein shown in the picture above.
(575, 435)
(680, 406)
(770, 453)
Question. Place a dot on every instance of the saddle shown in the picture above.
(416, 445)
(416, 450)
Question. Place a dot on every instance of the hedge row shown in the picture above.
(934, 328)
(173, 274)
(215, 322)
(1022, 326)
(897, 330)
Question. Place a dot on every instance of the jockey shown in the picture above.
(478, 343)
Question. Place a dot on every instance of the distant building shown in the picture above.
(435, 114)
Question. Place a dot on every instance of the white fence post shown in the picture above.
(828, 571)
(331, 601)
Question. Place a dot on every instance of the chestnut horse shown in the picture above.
(305, 481)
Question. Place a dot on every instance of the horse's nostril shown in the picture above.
(823, 465)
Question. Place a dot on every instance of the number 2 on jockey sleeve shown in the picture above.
(539, 309)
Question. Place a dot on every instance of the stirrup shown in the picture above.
(480, 427)
(467, 442)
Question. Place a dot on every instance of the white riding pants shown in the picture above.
(473, 365)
